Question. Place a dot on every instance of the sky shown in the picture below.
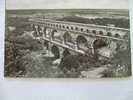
(66, 4)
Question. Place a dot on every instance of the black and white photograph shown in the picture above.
(67, 39)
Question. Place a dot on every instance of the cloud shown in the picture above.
(66, 4)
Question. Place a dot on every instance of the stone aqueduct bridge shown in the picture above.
(77, 37)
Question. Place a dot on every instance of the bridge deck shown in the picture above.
(73, 23)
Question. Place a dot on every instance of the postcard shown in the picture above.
(67, 39)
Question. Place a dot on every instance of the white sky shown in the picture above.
(66, 4)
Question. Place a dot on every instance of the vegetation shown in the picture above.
(120, 64)
(17, 45)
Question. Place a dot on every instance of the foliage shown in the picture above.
(120, 65)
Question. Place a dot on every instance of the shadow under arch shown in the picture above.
(82, 42)
(53, 34)
(44, 31)
(67, 38)
(55, 50)
(99, 43)
(66, 52)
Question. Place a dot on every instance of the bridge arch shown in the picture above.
(44, 31)
(72, 28)
(101, 33)
(109, 34)
(67, 38)
(87, 30)
(60, 26)
(63, 26)
(82, 29)
(82, 42)
(76, 28)
(94, 31)
(117, 35)
(99, 43)
(57, 25)
(53, 34)
(47, 32)
(56, 52)
(35, 34)
(67, 27)
(38, 28)
(41, 30)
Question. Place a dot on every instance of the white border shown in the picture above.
(41, 89)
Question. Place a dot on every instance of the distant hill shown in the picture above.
(120, 22)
